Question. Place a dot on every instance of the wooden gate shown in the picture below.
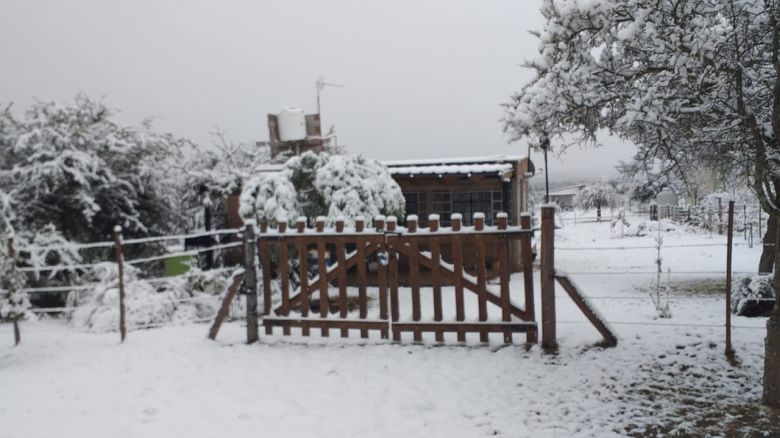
(421, 278)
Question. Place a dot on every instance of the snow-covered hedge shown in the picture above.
(178, 299)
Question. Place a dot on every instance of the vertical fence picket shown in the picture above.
(479, 241)
(284, 272)
(341, 271)
(433, 225)
(414, 274)
(528, 276)
(503, 268)
(322, 265)
(382, 274)
(303, 258)
(457, 261)
(360, 224)
(265, 265)
(392, 267)
(251, 283)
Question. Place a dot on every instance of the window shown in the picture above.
(442, 205)
(468, 203)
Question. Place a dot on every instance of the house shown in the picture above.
(564, 197)
(443, 186)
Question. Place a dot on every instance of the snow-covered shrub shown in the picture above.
(76, 167)
(16, 304)
(313, 185)
(356, 186)
(267, 196)
(754, 296)
(145, 303)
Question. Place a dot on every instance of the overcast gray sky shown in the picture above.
(422, 78)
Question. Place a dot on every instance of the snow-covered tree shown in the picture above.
(691, 83)
(76, 167)
(313, 185)
(596, 196)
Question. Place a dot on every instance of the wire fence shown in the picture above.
(74, 285)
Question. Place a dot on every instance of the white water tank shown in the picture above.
(292, 124)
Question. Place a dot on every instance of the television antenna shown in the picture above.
(320, 85)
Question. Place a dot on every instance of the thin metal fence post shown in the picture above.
(730, 241)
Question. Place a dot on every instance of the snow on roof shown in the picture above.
(496, 164)
(573, 190)
(450, 169)
(458, 160)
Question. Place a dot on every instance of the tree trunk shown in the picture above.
(17, 334)
(772, 341)
(767, 260)
(598, 211)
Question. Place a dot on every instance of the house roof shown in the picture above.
(567, 191)
(500, 165)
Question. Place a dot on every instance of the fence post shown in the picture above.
(720, 217)
(120, 263)
(528, 276)
(549, 342)
(250, 280)
(11, 255)
(730, 241)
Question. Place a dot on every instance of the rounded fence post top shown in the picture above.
(300, 219)
(117, 229)
(478, 215)
(456, 217)
(502, 215)
(392, 219)
(411, 218)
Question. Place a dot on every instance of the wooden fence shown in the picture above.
(342, 252)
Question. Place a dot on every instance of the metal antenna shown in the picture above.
(320, 85)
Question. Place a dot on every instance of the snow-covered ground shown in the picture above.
(666, 376)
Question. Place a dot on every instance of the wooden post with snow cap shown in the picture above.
(457, 266)
(121, 275)
(528, 276)
(414, 274)
(341, 272)
(479, 246)
(392, 273)
(250, 280)
(503, 273)
(303, 271)
(433, 227)
(547, 268)
(360, 225)
(322, 273)
(381, 273)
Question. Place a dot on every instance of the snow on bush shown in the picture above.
(267, 196)
(17, 302)
(145, 303)
(754, 296)
(357, 186)
(313, 185)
